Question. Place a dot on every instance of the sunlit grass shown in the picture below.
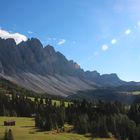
(135, 92)
(53, 101)
(25, 130)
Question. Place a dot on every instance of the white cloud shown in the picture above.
(113, 41)
(61, 42)
(128, 31)
(30, 32)
(16, 36)
(104, 47)
(50, 38)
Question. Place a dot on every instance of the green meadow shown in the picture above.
(25, 130)
(135, 92)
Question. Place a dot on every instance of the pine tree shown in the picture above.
(8, 135)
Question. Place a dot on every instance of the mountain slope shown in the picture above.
(55, 85)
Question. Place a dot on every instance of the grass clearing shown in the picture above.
(135, 93)
(53, 101)
(25, 130)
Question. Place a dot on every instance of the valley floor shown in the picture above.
(25, 130)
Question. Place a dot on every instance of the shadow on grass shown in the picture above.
(27, 126)
(39, 130)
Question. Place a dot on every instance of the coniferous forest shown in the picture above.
(101, 119)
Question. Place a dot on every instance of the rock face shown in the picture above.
(44, 70)
(30, 56)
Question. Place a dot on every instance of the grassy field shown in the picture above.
(53, 101)
(135, 92)
(25, 130)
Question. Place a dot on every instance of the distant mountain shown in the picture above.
(42, 69)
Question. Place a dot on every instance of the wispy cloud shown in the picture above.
(128, 31)
(16, 36)
(30, 32)
(113, 41)
(104, 47)
(96, 53)
(61, 42)
(51, 38)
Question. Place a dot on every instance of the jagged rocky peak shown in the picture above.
(49, 49)
(111, 76)
(77, 66)
(10, 42)
(50, 53)
(35, 43)
(74, 64)
(7, 42)
(92, 74)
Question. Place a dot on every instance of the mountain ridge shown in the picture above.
(42, 69)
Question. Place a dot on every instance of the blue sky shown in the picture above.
(102, 35)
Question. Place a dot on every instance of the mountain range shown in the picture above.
(44, 70)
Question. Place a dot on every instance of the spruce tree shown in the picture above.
(8, 135)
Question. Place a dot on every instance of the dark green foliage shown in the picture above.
(8, 135)
(50, 116)
(82, 123)
(102, 118)
(134, 113)
(106, 94)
